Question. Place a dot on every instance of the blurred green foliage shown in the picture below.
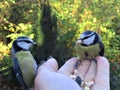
(56, 24)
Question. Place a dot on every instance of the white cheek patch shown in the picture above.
(24, 45)
(89, 40)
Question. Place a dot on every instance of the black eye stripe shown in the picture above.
(26, 41)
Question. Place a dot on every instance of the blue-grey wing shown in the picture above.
(18, 73)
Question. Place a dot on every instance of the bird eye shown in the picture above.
(26, 41)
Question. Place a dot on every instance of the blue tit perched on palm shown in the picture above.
(88, 46)
(24, 64)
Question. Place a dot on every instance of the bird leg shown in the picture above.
(75, 76)
(77, 64)
(75, 72)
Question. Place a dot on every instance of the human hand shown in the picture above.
(49, 77)
(97, 72)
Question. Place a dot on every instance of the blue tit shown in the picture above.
(24, 64)
(87, 47)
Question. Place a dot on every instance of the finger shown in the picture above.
(50, 65)
(68, 67)
(83, 68)
(102, 76)
(91, 72)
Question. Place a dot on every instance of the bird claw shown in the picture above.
(75, 72)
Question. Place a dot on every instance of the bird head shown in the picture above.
(22, 43)
(88, 38)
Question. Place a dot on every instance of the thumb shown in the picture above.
(49, 66)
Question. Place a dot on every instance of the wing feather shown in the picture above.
(18, 72)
